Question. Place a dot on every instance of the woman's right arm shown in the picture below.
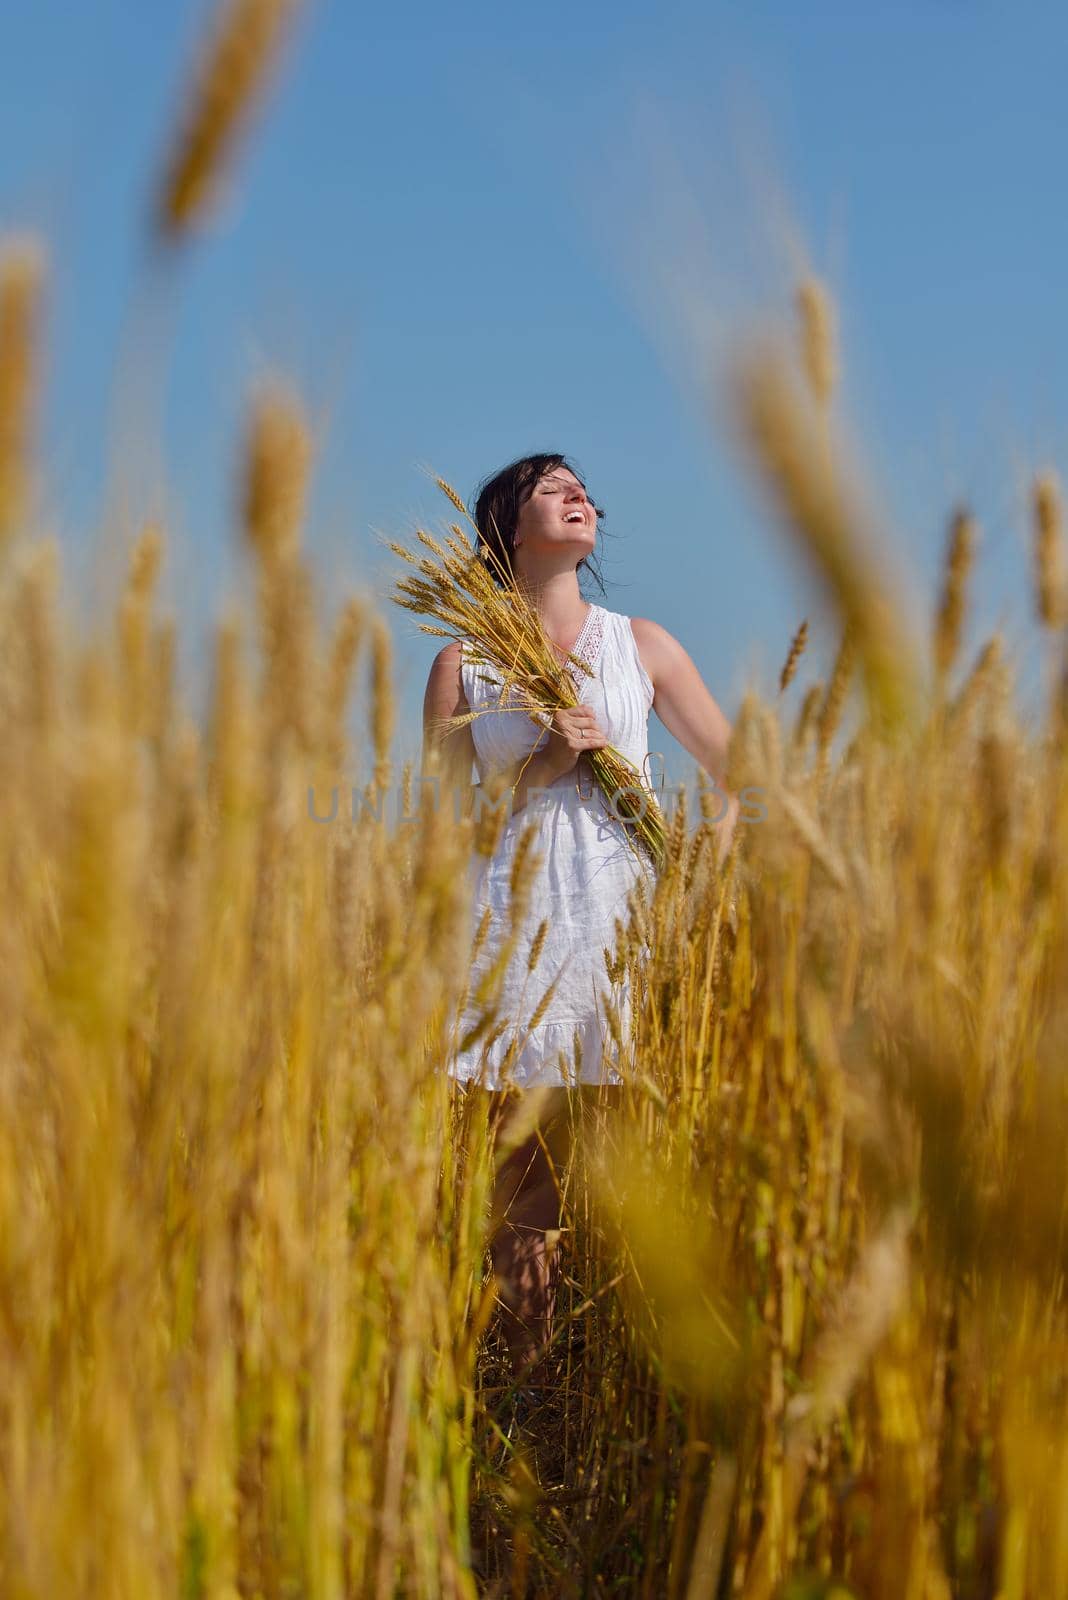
(448, 755)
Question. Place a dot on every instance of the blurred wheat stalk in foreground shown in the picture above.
(814, 1316)
(812, 1335)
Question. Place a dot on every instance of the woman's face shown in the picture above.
(557, 518)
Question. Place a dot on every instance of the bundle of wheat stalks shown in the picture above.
(504, 631)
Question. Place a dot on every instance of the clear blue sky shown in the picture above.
(469, 232)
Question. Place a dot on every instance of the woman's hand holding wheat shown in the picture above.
(573, 730)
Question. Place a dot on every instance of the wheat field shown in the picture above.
(812, 1335)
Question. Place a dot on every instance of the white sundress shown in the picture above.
(586, 868)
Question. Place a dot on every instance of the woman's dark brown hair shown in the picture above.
(498, 503)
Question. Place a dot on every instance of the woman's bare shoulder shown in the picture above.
(446, 674)
(656, 645)
(448, 659)
(646, 628)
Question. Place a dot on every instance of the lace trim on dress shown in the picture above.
(587, 645)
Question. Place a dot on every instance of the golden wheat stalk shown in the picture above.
(959, 558)
(134, 621)
(868, 1304)
(819, 353)
(778, 427)
(277, 458)
(21, 275)
(830, 713)
(348, 634)
(1050, 582)
(234, 67)
(503, 631)
(383, 710)
(986, 678)
(797, 645)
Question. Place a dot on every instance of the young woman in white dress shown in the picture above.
(538, 520)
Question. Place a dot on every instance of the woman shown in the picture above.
(540, 524)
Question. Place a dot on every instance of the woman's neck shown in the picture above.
(559, 605)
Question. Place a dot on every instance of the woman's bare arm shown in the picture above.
(688, 711)
(448, 756)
